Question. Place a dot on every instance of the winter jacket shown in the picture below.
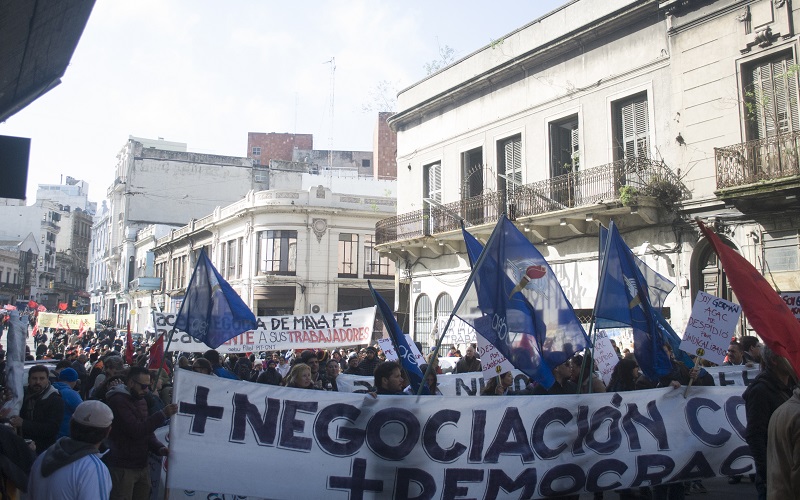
(71, 401)
(132, 432)
(783, 451)
(68, 470)
(41, 417)
(762, 398)
(468, 365)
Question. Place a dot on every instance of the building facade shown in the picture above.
(305, 245)
(644, 112)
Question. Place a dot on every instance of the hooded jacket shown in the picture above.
(69, 469)
(132, 433)
(762, 398)
(42, 414)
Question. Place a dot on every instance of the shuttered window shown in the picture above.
(434, 179)
(511, 162)
(771, 97)
(633, 129)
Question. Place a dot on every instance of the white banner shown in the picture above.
(279, 333)
(60, 320)
(792, 300)
(605, 356)
(388, 349)
(459, 333)
(462, 384)
(438, 447)
(740, 376)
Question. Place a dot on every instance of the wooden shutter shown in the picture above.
(512, 159)
(635, 133)
(773, 95)
(435, 182)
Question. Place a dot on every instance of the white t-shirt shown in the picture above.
(86, 478)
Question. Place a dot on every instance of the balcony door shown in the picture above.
(472, 185)
(564, 160)
(771, 97)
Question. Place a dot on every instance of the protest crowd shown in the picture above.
(85, 399)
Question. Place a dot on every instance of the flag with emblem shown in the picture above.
(212, 312)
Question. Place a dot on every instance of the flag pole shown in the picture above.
(462, 297)
(592, 321)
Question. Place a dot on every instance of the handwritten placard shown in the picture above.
(792, 300)
(391, 354)
(711, 326)
(493, 363)
(388, 349)
(605, 356)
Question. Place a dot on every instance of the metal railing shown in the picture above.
(759, 160)
(576, 189)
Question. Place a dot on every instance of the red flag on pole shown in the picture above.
(32, 304)
(771, 318)
(81, 329)
(157, 355)
(129, 346)
(62, 306)
(35, 330)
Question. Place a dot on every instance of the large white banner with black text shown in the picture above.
(341, 446)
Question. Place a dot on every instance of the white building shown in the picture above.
(304, 245)
(642, 111)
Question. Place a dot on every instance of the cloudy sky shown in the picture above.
(205, 73)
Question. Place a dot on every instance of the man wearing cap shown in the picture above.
(71, 468)
(65, 386)
(367, 365)
(42, 409)
(132, 436)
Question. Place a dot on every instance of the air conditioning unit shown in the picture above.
(315, 308)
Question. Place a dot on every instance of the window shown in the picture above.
(423, 317)
(233, 259)
(781, 250)
(770, 97)
(564, 148)
(431, 189)
(631, 128)
(375, 264)
(509, 168)
(256, 151)
(366, 163)
(240, 253)
(348, 255)
(472, 184)
(277, 252)
(256, 161)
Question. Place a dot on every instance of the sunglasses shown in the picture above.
(143, 387)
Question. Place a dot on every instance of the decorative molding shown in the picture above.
(319, 226)
(763, 38)
(321, 191)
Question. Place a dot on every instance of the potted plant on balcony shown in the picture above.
(667, 193)
(628, 195)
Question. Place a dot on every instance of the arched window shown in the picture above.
(444, 307)
(423, 318)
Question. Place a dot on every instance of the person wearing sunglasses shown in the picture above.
(132, 435)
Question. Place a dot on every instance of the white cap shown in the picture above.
(93, 414)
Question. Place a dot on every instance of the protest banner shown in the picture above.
(438, 447)
(278, 333)
(451, 384)
(459, 332)
(71, 321)
(493, 363)
(710, 328)
(605, 356)
(739, 376)
(792, 300)
(388, 349)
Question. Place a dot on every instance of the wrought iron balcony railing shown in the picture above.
(751, 162)
(573, 190)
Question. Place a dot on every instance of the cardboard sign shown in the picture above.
(711, 326)
(605, 356)
(792, 300)
(459, 332)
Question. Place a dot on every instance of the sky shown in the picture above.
(206, 73)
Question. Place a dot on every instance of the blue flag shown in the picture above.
(624, 300)
(517, 304)
(404, 352)
(212, 312)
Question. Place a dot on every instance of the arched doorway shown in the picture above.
(423, 319)
(708, 275)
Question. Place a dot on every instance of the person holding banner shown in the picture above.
(299, 377)
(499, 386)
(389, 379)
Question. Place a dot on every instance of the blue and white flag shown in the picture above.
(518, 305)
(212, 312)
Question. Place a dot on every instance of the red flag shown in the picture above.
(35, 330)
(157, 355)
(81, 329)
(771, 318)
(32, 304)
(129, 346)
(62, 306)
(41, 308)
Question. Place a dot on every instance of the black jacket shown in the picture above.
(762, 397)
(41, 417)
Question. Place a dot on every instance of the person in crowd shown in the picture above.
(243, 367)
(769, 390)
(42, 410)
(16, 459)
(183, 362)
(113, 366)
(310, 358)
(65, 386)
(71, 467)
(431, 382)
(751, 350)
(736, 356)
(389, 379)
(283, 363)
(132, 437)
(337, 356)
(270, 375)
(783, 449)
(216, 366)
(499, 386)
(561, 372)
(588, 379)
(352, 364)
(624, 376)
(469, 363)
(331, 373)
(299, 377)
(366, 366)
(202, 365)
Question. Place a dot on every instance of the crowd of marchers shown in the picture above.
(88, 419)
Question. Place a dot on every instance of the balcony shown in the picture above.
(566, 200)
(145, 284)
(763, 174)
